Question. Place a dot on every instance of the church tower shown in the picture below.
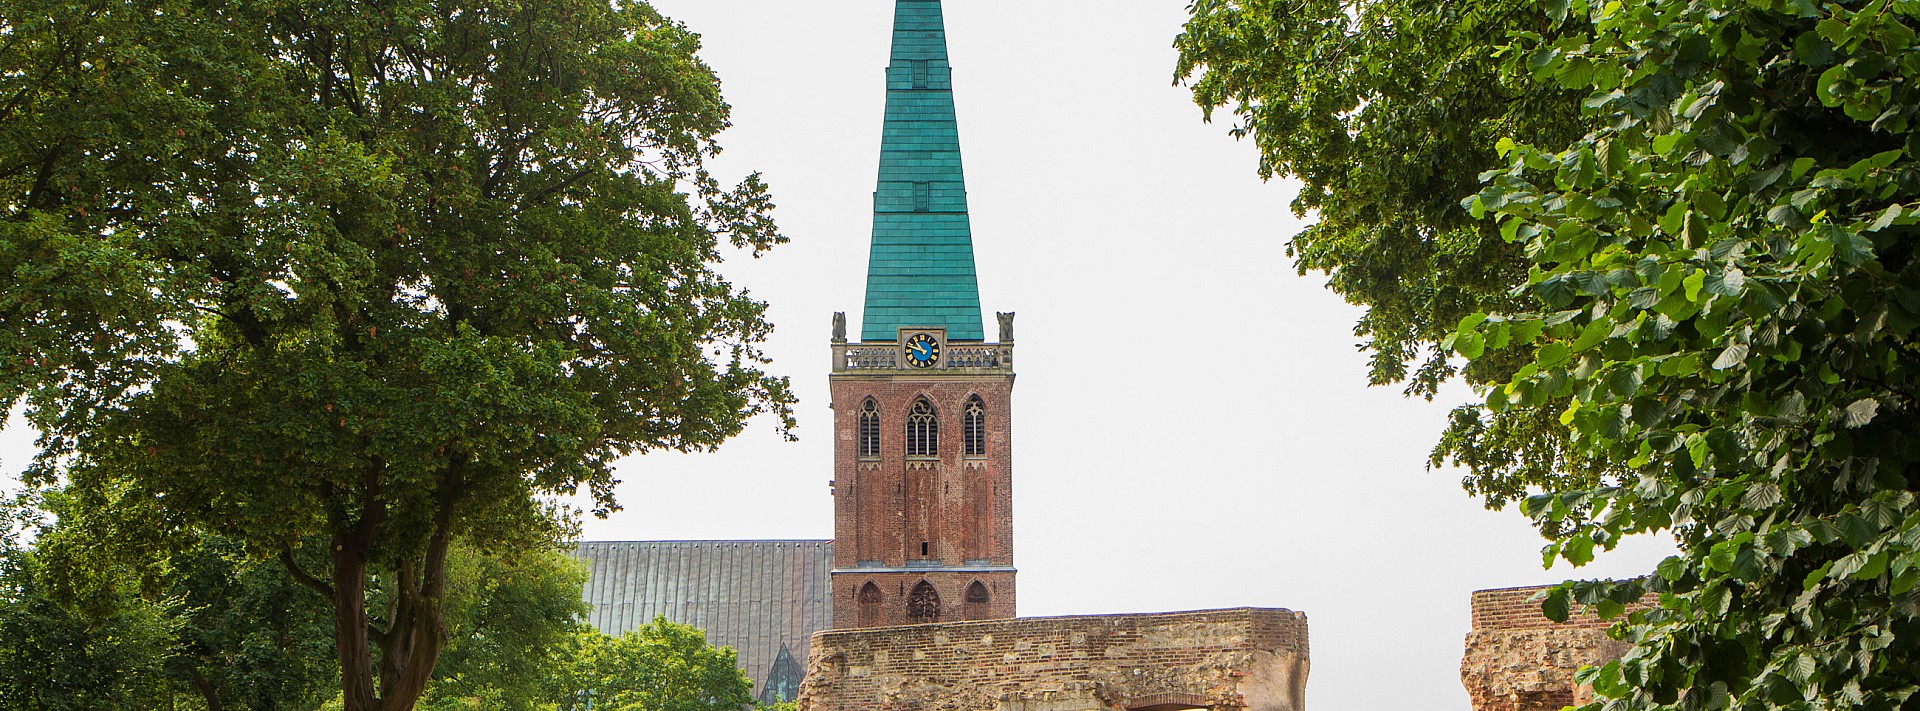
(923, 487)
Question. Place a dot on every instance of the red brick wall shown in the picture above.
(1518, 660)
(1240, 658)
(886, 507)
(895, 587)
(1515, 609)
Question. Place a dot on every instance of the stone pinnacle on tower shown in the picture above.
(920, 273)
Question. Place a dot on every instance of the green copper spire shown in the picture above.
(920, 273)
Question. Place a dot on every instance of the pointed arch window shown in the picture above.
(923, 605)
(923, 430)
(977, 599)
(976, 427)
(869, 605)
(869, 429)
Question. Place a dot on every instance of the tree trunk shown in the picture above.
(203, 686)
(410, 646)
(350, 626)
(419, 633)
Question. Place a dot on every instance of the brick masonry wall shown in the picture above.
(1254, 659)
(886, 507)
(1518, 660)
(1515, 609)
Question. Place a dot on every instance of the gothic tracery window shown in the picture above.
(976, 427)
(870, 429)
(923, 430)
(923, 605)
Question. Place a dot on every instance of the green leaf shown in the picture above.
(1860, 413)
(1554, 355)
(1760, 496)
(1470, 345)
(1694, 283)
(1558, 606)
(1801, 166)
(1887, 218)
(1672, 568)
(1799, 667)
(1592, 335)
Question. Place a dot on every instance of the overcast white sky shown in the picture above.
(1192, 424)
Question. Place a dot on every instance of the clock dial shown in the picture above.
(923, 350)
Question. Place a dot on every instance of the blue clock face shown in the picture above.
(923, 351)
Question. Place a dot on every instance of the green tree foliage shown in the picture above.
(1387, 112)
(372, 274)
(1719, 308)
(662, 666)
(54, 658)
(248, 636)
(514, 624)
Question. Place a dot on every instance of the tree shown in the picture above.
(54, 658)
(1719, 309)
(373, 274)
(1387, 117)
(662, 666)
(514, 623)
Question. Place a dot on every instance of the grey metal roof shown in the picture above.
(753, 596)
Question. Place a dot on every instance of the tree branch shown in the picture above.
(300, 575)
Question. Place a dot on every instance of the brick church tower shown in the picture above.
(923, 487)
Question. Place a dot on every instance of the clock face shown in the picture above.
(923, 351)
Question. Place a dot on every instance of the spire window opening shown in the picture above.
(922, 196)
(869, 430)
(976, 427)
(923, 430)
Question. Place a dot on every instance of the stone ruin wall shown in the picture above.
(1518, 660)
(1228, 660)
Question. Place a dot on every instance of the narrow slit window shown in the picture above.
(869, 429)
(923, 430)
(976, 427)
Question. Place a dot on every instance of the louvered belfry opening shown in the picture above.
(923, 605)
(870, 429)
(976, 427)
(923, 430)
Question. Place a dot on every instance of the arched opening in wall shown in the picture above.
(977, 599)
(923, 430)
(976, 427)
(869, 605)
(923, 604)
(869, 430)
